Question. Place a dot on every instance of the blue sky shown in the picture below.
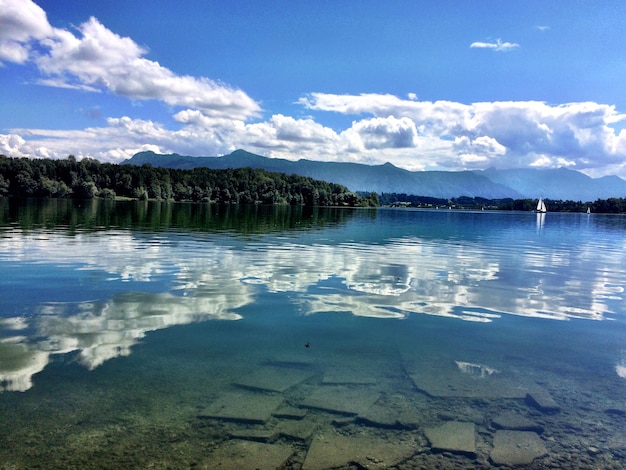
(446, 85)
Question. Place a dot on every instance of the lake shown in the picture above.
(161, 335)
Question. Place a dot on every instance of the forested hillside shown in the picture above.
(494, 184)
(354, 176)
(90, 178)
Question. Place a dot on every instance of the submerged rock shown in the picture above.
(244, 407)
(259, 435)
(301, 430)
(336, 450)
(516, 447)
(273, 379)
(515, 422)
(453, 436)
(541, 399)
(455, 379)
(289, 412)
(238, 454)
(343, 400)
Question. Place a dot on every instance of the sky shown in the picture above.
(424, 85)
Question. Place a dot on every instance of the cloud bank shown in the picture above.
(214, 118)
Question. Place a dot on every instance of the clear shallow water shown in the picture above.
(156, 335)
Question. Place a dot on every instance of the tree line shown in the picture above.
(90, 178)
(607, 206)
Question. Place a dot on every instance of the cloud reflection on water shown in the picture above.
(102, 331)
(212, 277)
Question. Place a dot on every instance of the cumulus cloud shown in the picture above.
(117, 141)
(415, 135)
(21, 23)
(100, 60)
(11, 144)
(280, 136)
(429, 116)
(505, 134)
(475, 153)
(381, 133)
(283, 134)
(498, 46)
(365, 103)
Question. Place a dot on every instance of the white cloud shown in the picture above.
(430, 117)
(508, 134)
(370, 103)
(283, 134)
(415, 135)
(381, 133)
(476, 153)
(12, 144)
(103, 60)
(498, 46)
(118, 141)
(300, 130)
(21, 22)
(100, 60)
(13, 51)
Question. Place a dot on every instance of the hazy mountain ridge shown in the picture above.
(558, 183)
(491, 183)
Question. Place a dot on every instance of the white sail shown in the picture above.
(541, 206)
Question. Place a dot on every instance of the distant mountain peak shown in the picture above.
(240, 153)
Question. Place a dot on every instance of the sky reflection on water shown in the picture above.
(99, 293)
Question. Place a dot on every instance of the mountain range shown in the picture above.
(492, 183)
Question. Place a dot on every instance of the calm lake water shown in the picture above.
(154, 335)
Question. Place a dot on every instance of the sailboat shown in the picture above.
(588, 210)
(541, 206)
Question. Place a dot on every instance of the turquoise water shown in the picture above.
(153, 335)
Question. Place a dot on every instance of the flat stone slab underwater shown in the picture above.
(310, 414)
(331, 450)
(516, 447)
(456, 379)
(278, 405)
(274, 379)
(286, 416)
(243, 406)
(453, 436)
(240, 454)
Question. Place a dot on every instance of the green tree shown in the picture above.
(85, 190)
(4, 186)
